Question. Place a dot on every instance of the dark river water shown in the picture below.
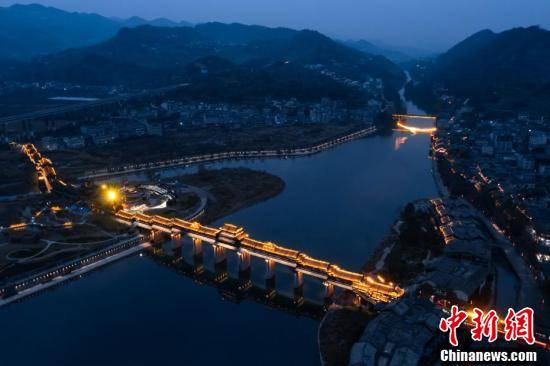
(337, 205)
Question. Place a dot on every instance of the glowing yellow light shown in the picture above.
(103, 186)
(416, 129)
(376, 287)
(112, 195)
(18, 226)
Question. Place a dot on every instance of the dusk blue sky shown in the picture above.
(424, 24)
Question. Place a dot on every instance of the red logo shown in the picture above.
(517, 325)
(452, 323)
(485, 325)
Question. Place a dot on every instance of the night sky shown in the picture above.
(424, 24)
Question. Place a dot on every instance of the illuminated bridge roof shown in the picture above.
(373, 287)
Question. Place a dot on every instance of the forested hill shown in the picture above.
(508, 70)
(31, 30)
(148, 56)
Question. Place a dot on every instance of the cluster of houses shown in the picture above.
(461, 274)
(406, 332)
(171, 117)
(509, 157)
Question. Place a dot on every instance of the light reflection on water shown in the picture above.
(336, 206)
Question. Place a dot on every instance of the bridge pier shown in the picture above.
(220, 254)
(357, 300)
(244, 261)
(154, 237)
(175, 236)
(176, 243)
(329, 292)
(197, 247)
(298, 288)
(198, 265)
(245, 268)
(298, 280)
(269, 269)
(220, 263)
(270, 274)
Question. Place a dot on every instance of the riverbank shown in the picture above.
(248, 152)
(150, 152)
(399, 258)
(441, 188)
(224, 191)
(33, 283)
(412, 240)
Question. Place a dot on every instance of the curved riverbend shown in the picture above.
(337, 205)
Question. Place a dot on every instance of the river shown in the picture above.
(337, 205)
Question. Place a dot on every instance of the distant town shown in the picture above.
(169, 117)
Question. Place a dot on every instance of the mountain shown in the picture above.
(158, 22)
(371, 48)
(214, 78)
(508, 70)
(31, 30)
(236, 33)
(462, 52)
(148, 55)
(28, 30)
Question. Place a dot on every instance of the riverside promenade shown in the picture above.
(230, 155)
(34, 283)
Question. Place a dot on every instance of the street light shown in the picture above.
(111, 195)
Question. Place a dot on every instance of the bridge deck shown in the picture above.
(233, 237)
(419, 116)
